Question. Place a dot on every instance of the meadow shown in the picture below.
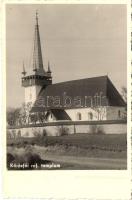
(78, 150)
(115, 142)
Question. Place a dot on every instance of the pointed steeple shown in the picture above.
(37, 53)
(39, 78)
(24, 71)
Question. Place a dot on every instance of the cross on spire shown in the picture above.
(36, 17)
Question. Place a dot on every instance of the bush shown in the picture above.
(44, 133)
(32, 158)
(27, 157)
(19, 134)
(37, 134)
(63, 131)
(94, 129)
(100, 130)
(8, 134)
(10, 158)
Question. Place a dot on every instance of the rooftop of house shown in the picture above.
(83, 89)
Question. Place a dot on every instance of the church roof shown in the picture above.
(59, 114)
(83, 89)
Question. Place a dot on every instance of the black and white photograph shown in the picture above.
(66, 87)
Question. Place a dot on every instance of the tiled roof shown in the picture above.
(59, 114)
(89, 87)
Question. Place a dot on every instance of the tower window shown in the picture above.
(90, 116)
(79, 117)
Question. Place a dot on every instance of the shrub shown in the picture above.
(14, 134)
(19, 134)
(32, 158)
(94, 129)
(100, 130)
(37, 134)
(28, 157)
(63, 131)
(25, 142)
(8, 134)
(29, 148)
(32, 143)
(10, 158)
(44, 133)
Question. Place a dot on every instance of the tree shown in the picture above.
(13, 115)
(24, 113)
(124, 93)
(100, 111)
(34, 118)
(18, 116)
(41, 117)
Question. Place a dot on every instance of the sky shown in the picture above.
(80, 41)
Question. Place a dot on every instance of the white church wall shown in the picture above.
(96, 114)
(102, 113)
(31, 93)
(115, 113)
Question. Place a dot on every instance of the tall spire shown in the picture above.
(37, 53)
(40, 78)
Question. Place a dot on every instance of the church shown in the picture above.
(89, 99)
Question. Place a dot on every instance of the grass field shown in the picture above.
(79, 151)
(112, 142)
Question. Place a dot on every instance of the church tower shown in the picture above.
(39, 77)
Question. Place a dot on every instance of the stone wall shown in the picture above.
(55, 129)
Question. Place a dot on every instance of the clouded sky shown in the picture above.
(80, 41)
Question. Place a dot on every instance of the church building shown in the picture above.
(88, 99)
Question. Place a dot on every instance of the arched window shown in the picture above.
(79, 117)
(90, 116)
(119, 114)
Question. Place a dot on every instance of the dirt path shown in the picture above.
(90, 163)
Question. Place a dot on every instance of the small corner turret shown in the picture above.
(24, 71)
(49, 71)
